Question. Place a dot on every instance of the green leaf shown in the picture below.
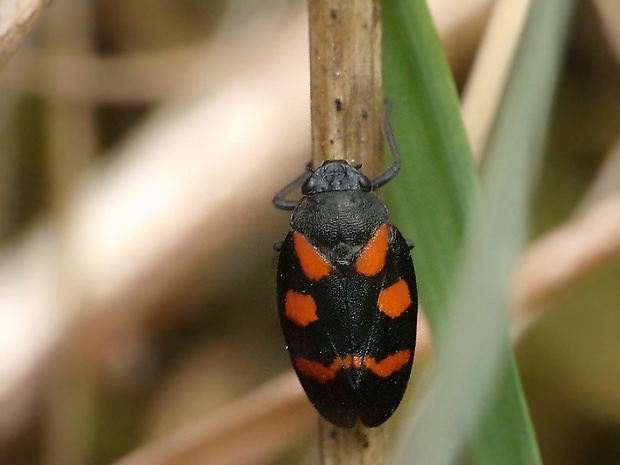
(435, 201)
(514, 154)
(432, 197)
(505, 434)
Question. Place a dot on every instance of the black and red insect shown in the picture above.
(347, 296)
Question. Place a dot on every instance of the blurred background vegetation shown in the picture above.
(140, 145)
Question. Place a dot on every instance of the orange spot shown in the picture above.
(314, 265)
(323, 374)
(372, 259)
(316, 370)
(394, 300)
(390, 364)
(300, 308)
(352, 361)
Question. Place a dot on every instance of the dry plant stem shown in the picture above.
(70, 148)
(346, 112)
(17, 17)
(345, 79)
(460, 29)
(140, 77)
(609, 14)
(9, 162)
(487, 80)
(70, 126)
(585, 244)
(606, 183)
(147, 77)
(360, 445)
(236, 435)
(280, 401)
(588, 242)
(148, 187)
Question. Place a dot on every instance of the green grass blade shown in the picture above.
(432, 197)
(432, 206)
(505, 434)
(515, 145)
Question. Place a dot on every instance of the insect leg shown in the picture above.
(283, 204)
(389, 174)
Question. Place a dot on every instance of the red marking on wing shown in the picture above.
(313, 264)
(372, 259)
(316, 370)
(324, 374)
(300, 308)
(394, 300)
(390, 364)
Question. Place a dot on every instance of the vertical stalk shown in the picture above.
(357, 446)
(346, 113)
(345, 80)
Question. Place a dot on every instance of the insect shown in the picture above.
(346, 292)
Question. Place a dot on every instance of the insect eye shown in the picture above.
(309, 186)
(365, 182)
